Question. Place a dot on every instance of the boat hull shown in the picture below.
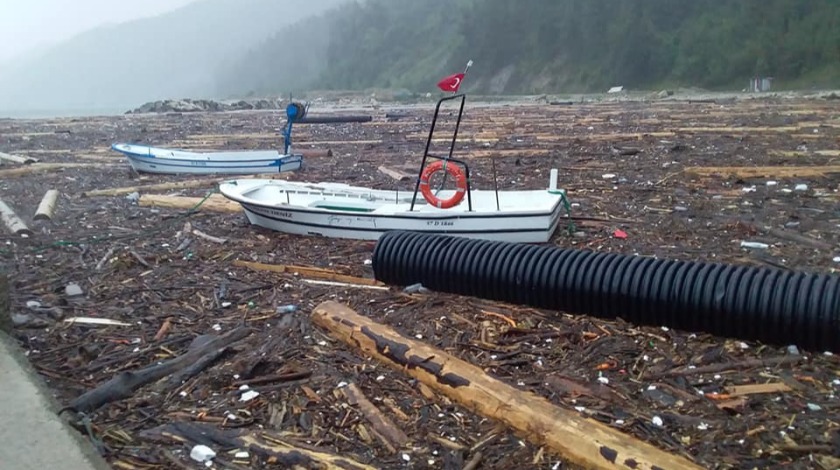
(163, 161)
(518, 226)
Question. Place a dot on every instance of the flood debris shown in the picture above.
(147, 268)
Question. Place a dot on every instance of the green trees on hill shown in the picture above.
(564, 45)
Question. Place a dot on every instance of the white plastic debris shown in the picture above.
(836, 259)
(771, 183)
(406, 457)
(202, 453)
(800, 187)
(226, 304)
(603, 380)
(33, 304)
(749, 189)
(755, 245)
(702, 426)
(96, 321)
(249, 395)
(814, 407)
(342, 384)
(657, 421)
(608, 176)
(73, 290)
(242, 455)
(244, 387)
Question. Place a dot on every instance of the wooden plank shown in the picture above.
(581, 441)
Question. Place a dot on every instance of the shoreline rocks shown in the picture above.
(201, 105)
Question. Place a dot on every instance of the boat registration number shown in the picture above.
(195, 163)
(440, 223)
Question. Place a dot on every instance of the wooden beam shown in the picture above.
(395, 174)
(46, 209)
(580, 440)
(311, 272)
(763, 171)
(13, 222)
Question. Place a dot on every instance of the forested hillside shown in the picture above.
(536, 46)
(177, 54)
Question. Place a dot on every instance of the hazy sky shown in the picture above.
(28, 24)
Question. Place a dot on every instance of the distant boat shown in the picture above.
(235, 162)
(338, 210)
(172, 161)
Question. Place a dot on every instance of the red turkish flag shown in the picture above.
(451, 83)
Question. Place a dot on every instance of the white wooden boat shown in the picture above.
(338, 210)
(173, 161)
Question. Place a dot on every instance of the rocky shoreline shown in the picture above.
(201, 105)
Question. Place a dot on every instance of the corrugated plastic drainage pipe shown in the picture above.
(751, 303)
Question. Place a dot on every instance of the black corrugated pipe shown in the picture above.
(751, 303)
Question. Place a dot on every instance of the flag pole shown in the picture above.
(469, 64)
(446, 161)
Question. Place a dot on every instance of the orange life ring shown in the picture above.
(460, 182)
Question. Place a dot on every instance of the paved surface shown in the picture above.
(32, 436)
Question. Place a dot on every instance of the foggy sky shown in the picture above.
(27, 25)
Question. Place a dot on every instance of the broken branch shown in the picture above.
(390, 435)
(580, 440)
(126, 383)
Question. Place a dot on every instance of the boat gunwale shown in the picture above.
(413, 215)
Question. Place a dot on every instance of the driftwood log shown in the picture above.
(762, 171)
(214, 203)
(199, 183)
(334, 119)
(13, 222)
(283, 452)
(314, 153)
(46, 209)
(17, 159)
(580, 440)
(44, 167)
(202, 351)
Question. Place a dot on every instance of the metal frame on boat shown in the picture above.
(147, 159)
(342, 211)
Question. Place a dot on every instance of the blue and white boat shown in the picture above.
(147, 159)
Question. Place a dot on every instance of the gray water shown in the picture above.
(59, 113)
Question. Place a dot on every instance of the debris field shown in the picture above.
(215, 333)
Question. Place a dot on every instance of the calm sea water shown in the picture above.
(60, 113)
